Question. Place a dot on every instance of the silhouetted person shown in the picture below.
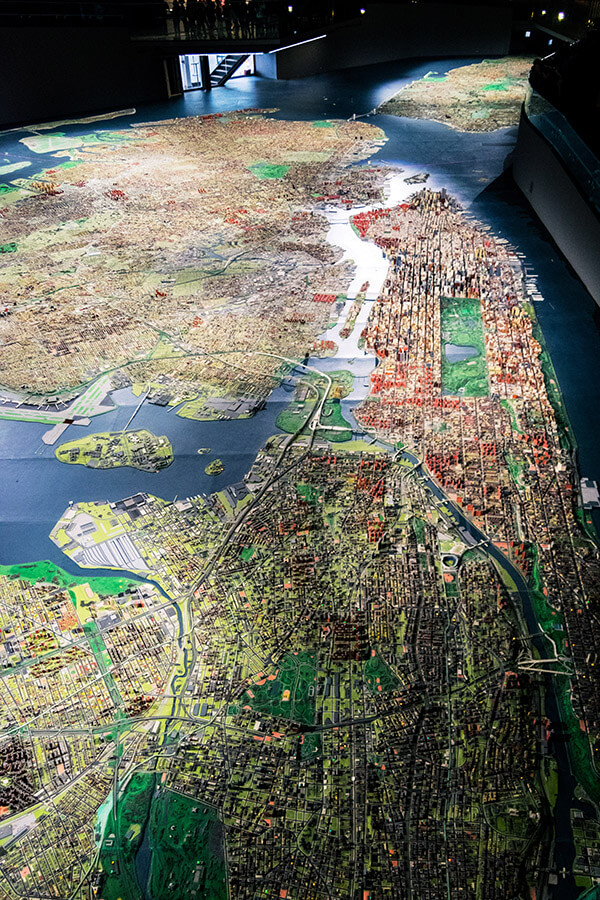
(191, 14)
(178, 14)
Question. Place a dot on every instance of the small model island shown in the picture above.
(215, 467)
(112, 449)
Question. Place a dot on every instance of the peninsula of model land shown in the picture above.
(112, 449)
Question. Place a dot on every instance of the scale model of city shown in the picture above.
(337, 678)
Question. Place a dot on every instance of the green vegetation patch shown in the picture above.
(462, 327)
(548, 618)
(509, 407)
(102, 657)
(379, 676)
(418, 527)
(323, 123)
(123, 836)
(309, 493)
(565, 432)
(580, 751)
(290, 693)
(139, 449)
(498, 85)
(342, 384)
(549, 772)
(188, 849)
(11, 247)
(335, 427)
(363, 447)
(264, 170)
(578, 742)
(309, 747)
(46, 571)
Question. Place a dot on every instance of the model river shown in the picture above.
(36, 488)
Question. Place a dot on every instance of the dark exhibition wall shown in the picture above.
(65, 70)
(55, 71)
(550, 184)
(407, 31)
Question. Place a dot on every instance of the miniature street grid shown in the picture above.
(484, 96)
(363, 668)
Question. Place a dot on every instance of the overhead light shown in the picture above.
(298, 44)
(362, 10)
(550, 42)
(543, 12)
(561, 16)
(527, 34)
(290, 9)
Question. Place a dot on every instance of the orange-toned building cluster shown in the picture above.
(504, 455)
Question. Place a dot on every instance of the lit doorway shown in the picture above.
(191, 68)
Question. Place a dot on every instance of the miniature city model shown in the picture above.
(484, 96)
(338, 676)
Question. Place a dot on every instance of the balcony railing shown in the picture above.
(582, 163)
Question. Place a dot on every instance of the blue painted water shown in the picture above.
(459, 352)
(36, 488)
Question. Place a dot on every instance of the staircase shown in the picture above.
(226, 69)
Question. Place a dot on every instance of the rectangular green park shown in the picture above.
(464, 363)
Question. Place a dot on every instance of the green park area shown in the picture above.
(334, 428)
(552, 623)
(289, 692)
(102, 657)
(123, 836)
(59, 140)
(187, 849)
(379, 676)
(565, 432)
(464, 365)
(333, 425)
(265, 170)
(112, 449)
(342, 384)
(549, 775)
(549, 619)
(46, 572)
(310, 746)
(309, 493)
(580, 751)
(215, 467)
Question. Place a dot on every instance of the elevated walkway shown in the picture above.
(560, 177)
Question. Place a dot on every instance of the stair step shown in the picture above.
(225, 69)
